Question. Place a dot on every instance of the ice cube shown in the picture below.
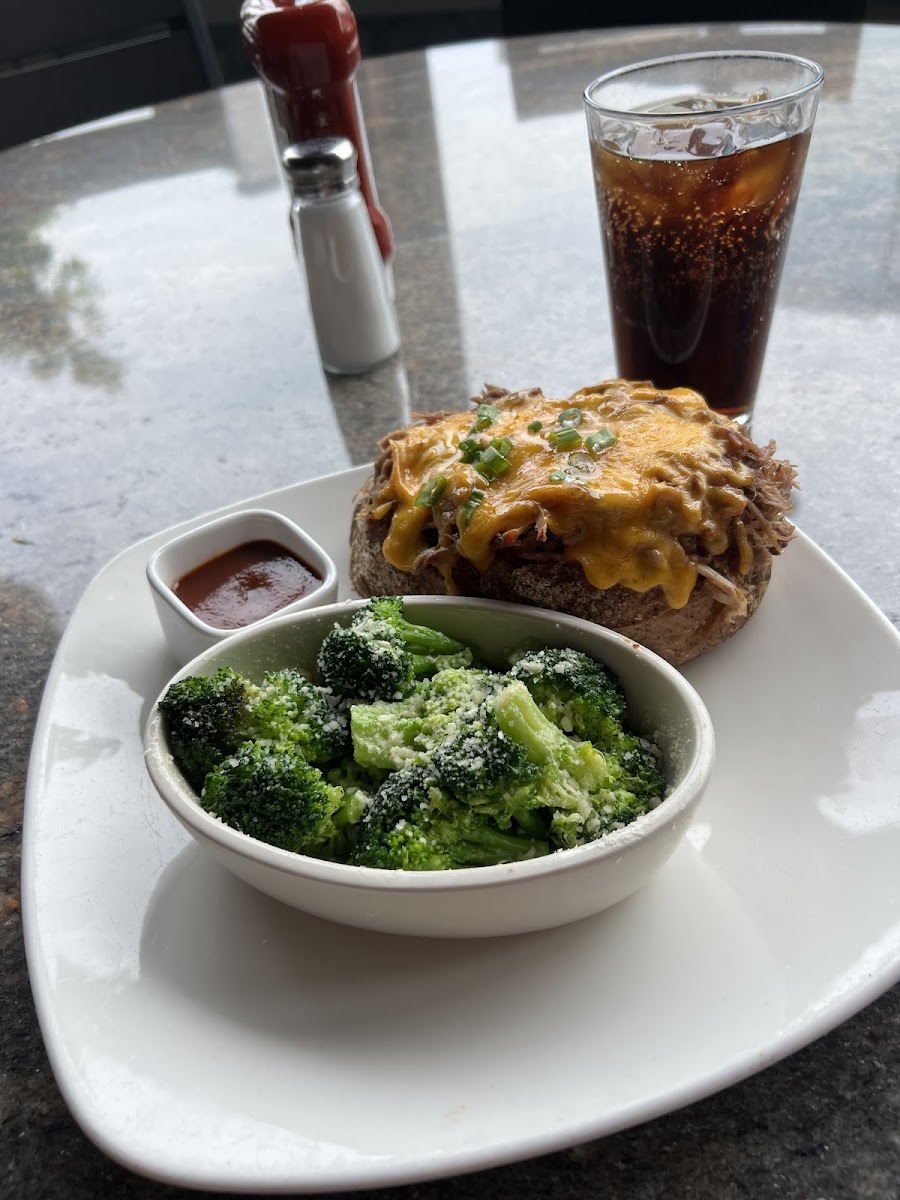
(653, 141)
(616, 136)
(697, 102)
(756, 129)
(682, 104)
(713, 140)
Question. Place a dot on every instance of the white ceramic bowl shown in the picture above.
(476, 901)
(186, 634)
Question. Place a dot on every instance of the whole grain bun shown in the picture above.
(677, 634)
(530, 571)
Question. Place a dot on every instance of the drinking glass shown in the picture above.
(697, 164)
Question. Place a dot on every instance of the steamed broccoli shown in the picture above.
(271, 792)
(291, 708)
(482, 764)
(576, 782)
(414, 825)
(380, 654)
(395, 734)
(634, 769)
(359, 785)
(207, 718)
(575, 692)
(447, 724)
(408, 756)
(386, 733)
(492, 773)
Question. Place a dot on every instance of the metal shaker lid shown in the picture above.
(321, 167)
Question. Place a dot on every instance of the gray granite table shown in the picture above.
(157, 361)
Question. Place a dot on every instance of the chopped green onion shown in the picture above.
(570, 416)
(564, 439)
(475, 498)
(431, 492)
(492, 463)
(602, 440)
(535, 426)
(559, 477)
(485, 415)
(470, 449)
(489, 462)
(581, 461)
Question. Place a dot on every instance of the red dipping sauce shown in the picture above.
(245, 584)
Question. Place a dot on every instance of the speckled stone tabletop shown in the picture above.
(157, 361)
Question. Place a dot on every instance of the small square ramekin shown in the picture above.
(185, 633)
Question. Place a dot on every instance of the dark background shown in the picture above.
(65, 62)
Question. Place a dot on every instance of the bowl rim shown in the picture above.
(183, 803)
(214, 632)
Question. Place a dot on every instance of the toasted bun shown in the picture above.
(677, 634)
(527, 565)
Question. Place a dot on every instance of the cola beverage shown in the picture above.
(694, 252)
(695, 213)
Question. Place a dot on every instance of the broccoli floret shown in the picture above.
(482, 762)
(453, 766)
(447, 723)
(354, 777)
(208, 717)
(431, 650)
(395, 734)
(634, 770)
(520, 718)
(574, 692)
(461, 690)
(271, 793)
(414, 825)
(291, 708)
(491, 773)
(380, 654)
(385, 733)
(634, 786)
(577, 782)
(359, 785)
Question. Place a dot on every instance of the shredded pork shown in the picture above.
(765, 525)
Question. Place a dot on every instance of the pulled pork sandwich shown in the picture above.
(638, 509)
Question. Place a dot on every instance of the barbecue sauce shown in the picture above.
(245, 584)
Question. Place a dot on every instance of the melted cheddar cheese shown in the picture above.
(625, 514)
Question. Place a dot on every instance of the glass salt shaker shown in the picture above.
(356, 326)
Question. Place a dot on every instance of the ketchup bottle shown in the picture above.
(307, 53)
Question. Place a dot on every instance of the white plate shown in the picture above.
(207, 1036)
